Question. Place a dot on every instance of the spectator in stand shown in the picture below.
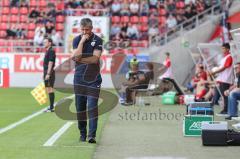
(200, 6)
(73, 4)
(42, 18)
(189, 1)
(40, 27)
(179, 18)
(38, 39)
(68, 11)
(188, 13)
(144, 8)
(14, 3)
(124, 29)
(116, 7)
(115, 29)
(23, 3)
(153, 20)
(49, 27)
(98, 4)
(56, 38)
(171, 7)
(125, 8)
(21, 32)
(34, 13)
(134, 8)
(192, 7)
(153, 3)
(12, 32)
(153, 32)
(51, 14)
(171, 22)
(132, 32)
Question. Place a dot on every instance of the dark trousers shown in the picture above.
(131, 89)
(86, 107)
(220, 91)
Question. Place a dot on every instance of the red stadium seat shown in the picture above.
(4, 18)
(3, 34)
(144, 28)
(3, 26)
(23, 10)
(14, 18)
(134, 43)
(116, 19)
(144, 19)
(31, 26)
(144, 44)
(59, 26)
(30, 34)
(23, 18)
(2, 42)
(5, 10)
(43, 4)
(162, 12)
(5, 3)
(14, 10)
(59, 50)
(162, 19)
(125, 51)
(180, 5)
(125, 19)
(60, 6)
(33, 3)
(60, 19)
(10, 43)
(134, 51)
(134, 19)
(2, 49)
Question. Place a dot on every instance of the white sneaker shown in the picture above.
(236, 118)
(236, 126)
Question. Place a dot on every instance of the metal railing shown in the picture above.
(186, 26)
(79, 12)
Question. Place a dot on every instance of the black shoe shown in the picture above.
(92, 140)
(82, 139)
(49, 110)
(228, 118)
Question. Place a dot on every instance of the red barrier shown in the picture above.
(4, 78)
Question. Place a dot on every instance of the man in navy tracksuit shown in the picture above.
(87, 49)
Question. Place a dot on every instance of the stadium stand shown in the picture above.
(134, 22)
(21, 19)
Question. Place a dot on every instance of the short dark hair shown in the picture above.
(226, 45)
(49, 39)
(167, 53)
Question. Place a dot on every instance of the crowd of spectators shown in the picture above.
(46, 22)
(160, 16)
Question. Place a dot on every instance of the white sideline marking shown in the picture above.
(58, 134)
(11, 126)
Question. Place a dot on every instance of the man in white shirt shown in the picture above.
(225, 77)
(132, 32)
(171, 21)
(116, 7)
(134, 8)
